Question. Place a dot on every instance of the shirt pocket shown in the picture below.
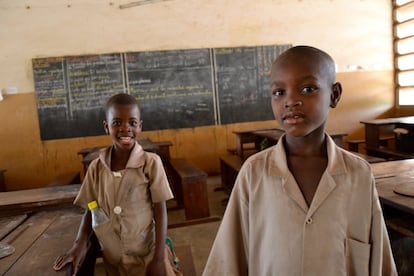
(357, 257)
(109, 241)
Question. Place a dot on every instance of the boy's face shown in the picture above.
(302, 92)
(123, 123)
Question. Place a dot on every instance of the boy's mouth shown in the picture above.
(125, 139)
(293, 118)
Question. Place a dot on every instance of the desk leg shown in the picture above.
(372, 134)
(195, 199)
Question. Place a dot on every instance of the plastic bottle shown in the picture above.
(98, 215)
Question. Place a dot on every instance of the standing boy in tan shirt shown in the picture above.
(304, 206)
(130, 185)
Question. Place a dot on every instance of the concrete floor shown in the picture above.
(201, 236)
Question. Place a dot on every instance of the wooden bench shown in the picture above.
(354, 144)
(229, 168)
(403, 225)
(389, 154)
(190, 188)
(65, 179)
(30, 200)
(369, 158)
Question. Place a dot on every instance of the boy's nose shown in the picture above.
(290, 104)
(125, 127)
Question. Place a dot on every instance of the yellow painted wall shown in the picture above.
(354, 32)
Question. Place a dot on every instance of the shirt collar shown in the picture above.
(336, 164)
(135, 158)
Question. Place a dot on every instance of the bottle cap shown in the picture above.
(92, 205)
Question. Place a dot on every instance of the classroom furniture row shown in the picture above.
(391, 138)
(38, 238)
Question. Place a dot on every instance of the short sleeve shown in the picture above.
(159, 185)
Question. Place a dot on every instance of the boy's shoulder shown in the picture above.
(354, 160)
(267, 158)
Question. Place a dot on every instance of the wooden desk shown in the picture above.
(392, 168)
(391, 173)
(246, 137)
(398, 210)
(387, 195)
(20, 202)
(376, 129)
(39, 238)
(2, 181)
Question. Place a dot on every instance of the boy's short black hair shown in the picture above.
(121, 99)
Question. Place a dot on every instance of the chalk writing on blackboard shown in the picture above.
(49, 83)
(174, 88)
(92, 79)
(242, 80)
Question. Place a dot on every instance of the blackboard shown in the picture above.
(175, 89)
(243, 82)
(71, 92)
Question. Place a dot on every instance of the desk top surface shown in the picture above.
(38, 195)
(390, 121)
(393, 168)
(388, 175)
(39, 240)
(386, 191)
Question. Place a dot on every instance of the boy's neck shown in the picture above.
(119, 159)
(305, 146)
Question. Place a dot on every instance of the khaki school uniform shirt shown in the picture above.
(127, 198)
(268, 229)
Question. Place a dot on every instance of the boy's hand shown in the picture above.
(75, 256)
(156, 268)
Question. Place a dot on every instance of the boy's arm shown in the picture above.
(156, 266)
(77, 253)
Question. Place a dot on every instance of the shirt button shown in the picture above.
(309, 221)
(117, 210)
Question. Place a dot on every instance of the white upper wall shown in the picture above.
(354, 32)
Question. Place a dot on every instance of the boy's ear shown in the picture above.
(336, 94)
(105, 125)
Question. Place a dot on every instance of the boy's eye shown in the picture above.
(278, 92)
(116, 123)
(133, 123)
(309, 89)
